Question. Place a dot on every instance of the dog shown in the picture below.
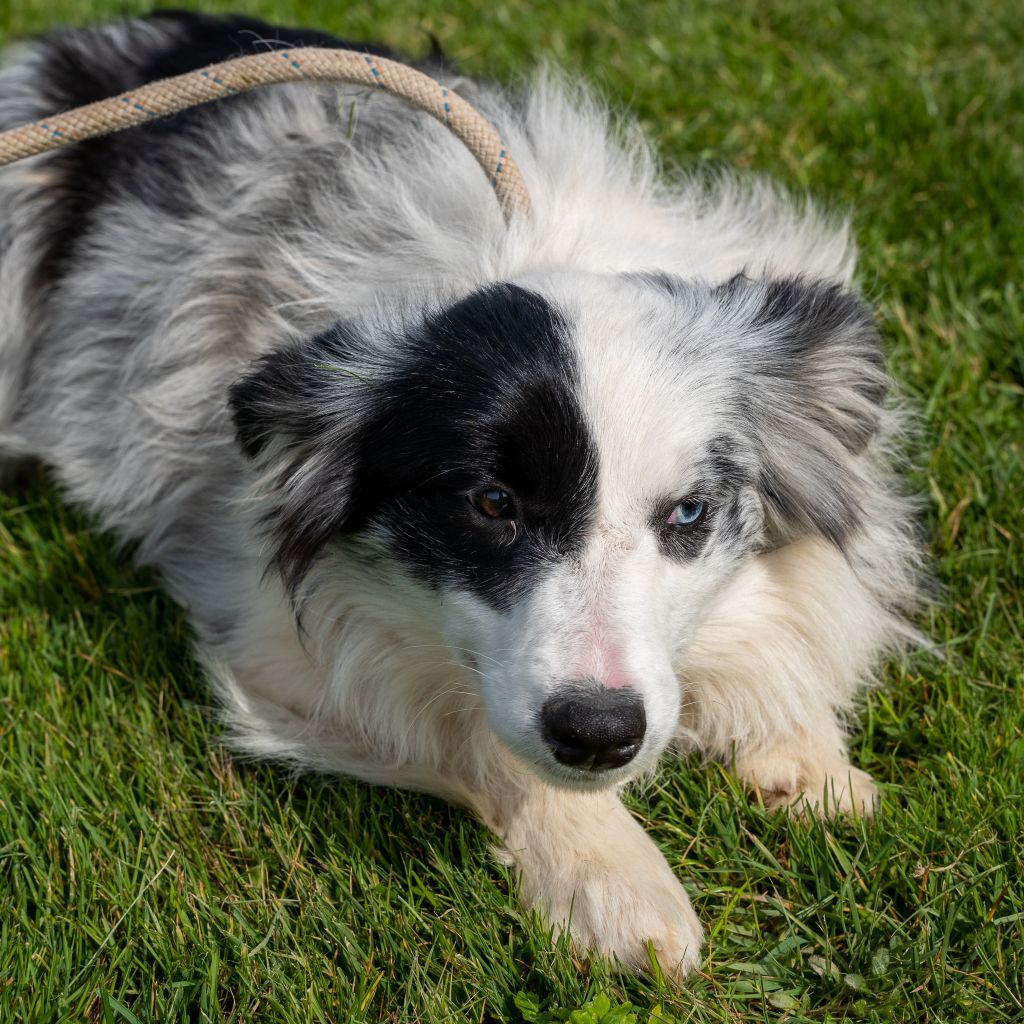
(500, 511)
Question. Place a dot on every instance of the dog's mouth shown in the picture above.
(585, 778)
(595, 777)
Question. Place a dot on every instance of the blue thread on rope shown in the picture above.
(212, 78)
(129, 102)
(447, 106)
(373, 68)
(55, 133)
(501, 163)
(291, 60)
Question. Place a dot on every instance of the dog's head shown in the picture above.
(571, 466)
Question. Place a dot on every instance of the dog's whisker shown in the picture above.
(452, 647)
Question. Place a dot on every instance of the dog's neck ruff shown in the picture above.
(303, 64)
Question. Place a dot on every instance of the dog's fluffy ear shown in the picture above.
(812, 387)
(297, 413)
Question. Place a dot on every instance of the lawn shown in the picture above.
(144, 876)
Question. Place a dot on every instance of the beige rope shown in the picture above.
(159, 99)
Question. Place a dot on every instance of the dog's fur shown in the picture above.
(280, 344)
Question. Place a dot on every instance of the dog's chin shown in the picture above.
(582, 780)
(548, 770)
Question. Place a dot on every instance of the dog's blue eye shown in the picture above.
(493, 502)
(688, 513)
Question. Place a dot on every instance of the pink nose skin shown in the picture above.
(602, 660)
(616, 681)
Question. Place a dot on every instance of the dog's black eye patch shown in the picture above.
(389, 433)
(486, 390)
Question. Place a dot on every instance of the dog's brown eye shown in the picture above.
(494, 503)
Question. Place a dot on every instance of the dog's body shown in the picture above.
(499, 512)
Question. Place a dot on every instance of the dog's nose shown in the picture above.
(595, 728)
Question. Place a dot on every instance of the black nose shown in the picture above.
(595, 728)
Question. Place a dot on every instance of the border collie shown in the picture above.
(503, 512)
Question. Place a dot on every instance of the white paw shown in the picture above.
(807, 785)
(616, 900)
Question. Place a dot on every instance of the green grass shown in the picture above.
(144, 876)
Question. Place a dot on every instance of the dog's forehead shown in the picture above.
(654, 389)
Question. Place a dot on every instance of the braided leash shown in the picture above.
(158, 99)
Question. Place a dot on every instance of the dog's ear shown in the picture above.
(812, 386)
(297, 413)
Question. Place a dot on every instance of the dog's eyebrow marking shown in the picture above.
(723, 464)
(722, 461)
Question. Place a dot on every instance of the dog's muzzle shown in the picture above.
(593, 728)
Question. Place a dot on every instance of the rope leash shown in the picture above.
(306, 64)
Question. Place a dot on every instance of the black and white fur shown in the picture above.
(284, 344)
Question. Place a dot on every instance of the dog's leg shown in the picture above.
(584, 864)
(589, 868)
(774, 670)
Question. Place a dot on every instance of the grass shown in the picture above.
(145, 876)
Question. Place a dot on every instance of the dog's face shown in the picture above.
(571, 465)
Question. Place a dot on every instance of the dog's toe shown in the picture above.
(808, 787)
(845, 792)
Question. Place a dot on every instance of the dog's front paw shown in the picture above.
(805, 784)
(608, 885)
(625, 912)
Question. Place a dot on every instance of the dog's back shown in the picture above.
(52, 207)
(135, 279)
